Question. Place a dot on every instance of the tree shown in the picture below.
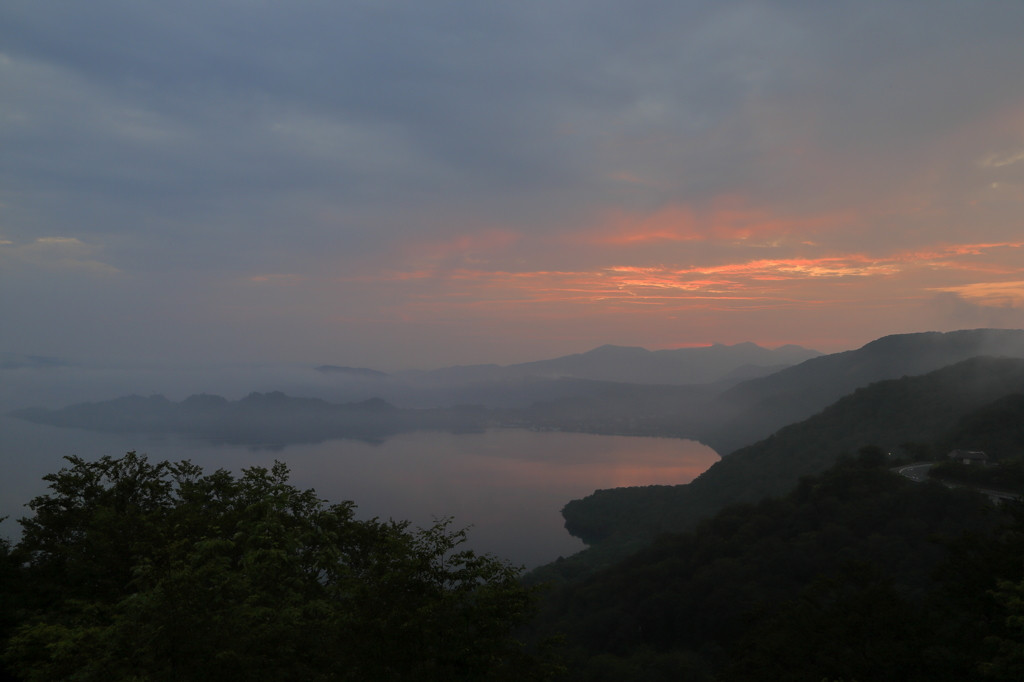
(1008, 662)
(140, 571)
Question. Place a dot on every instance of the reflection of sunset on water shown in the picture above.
(574, 462)
(508, 484)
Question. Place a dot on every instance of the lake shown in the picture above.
(508, 484)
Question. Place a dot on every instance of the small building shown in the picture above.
(968, 456)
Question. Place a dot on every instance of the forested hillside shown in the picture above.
(996, 428)
(912, 409)
(832, 581)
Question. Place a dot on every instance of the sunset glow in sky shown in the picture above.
(407, 184)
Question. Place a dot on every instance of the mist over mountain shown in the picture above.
(632, 364)
(354, 372)
(260, 419)
(20, 361)
(754, 409)
(277, 419)
(909, 403)
(32, 380)
(726, 414)
(524, 384)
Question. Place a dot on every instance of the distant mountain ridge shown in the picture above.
(632, 364)
(264, 419)
(356, 372)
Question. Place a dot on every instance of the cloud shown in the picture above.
(954, 311)
(288, 280)
(725, 218)
(64, 254)
(1004, 159)
(561, 159)
(990, 294)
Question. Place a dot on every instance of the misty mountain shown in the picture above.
(729, 417)
(19, 361)
(620, 408)
(523, 393)
(754, 409)
(354, 372)
(277, 419)
(748, 371)
(923, 409)
(628, 364)
(268, 419)
(525, 384)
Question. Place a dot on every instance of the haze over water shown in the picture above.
(509, 484)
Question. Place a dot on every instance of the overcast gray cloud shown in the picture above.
(159, 158)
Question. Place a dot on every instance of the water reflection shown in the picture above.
(509, 484)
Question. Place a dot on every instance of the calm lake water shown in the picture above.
(508, 484)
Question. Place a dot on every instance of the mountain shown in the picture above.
(353, 372)
(714, 368)
(920, 409)
(996, 429)
(754, 409)
(834, 580)
(266, 419)
(629, 364)
(730, 417)
(18, 361)
(277, 419)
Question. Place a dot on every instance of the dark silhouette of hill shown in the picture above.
(628, 364)
(618, 521)
(835, 576)
(756, 408)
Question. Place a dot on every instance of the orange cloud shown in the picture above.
(813, 280)
(1001, 294)
(728, 218)
(944, 251)
(742, 274)
(464, 246)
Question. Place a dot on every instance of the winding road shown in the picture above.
(915, 472)
(919, 473)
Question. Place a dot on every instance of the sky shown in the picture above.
(400, 185)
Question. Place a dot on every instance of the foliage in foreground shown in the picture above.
(138, 571)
